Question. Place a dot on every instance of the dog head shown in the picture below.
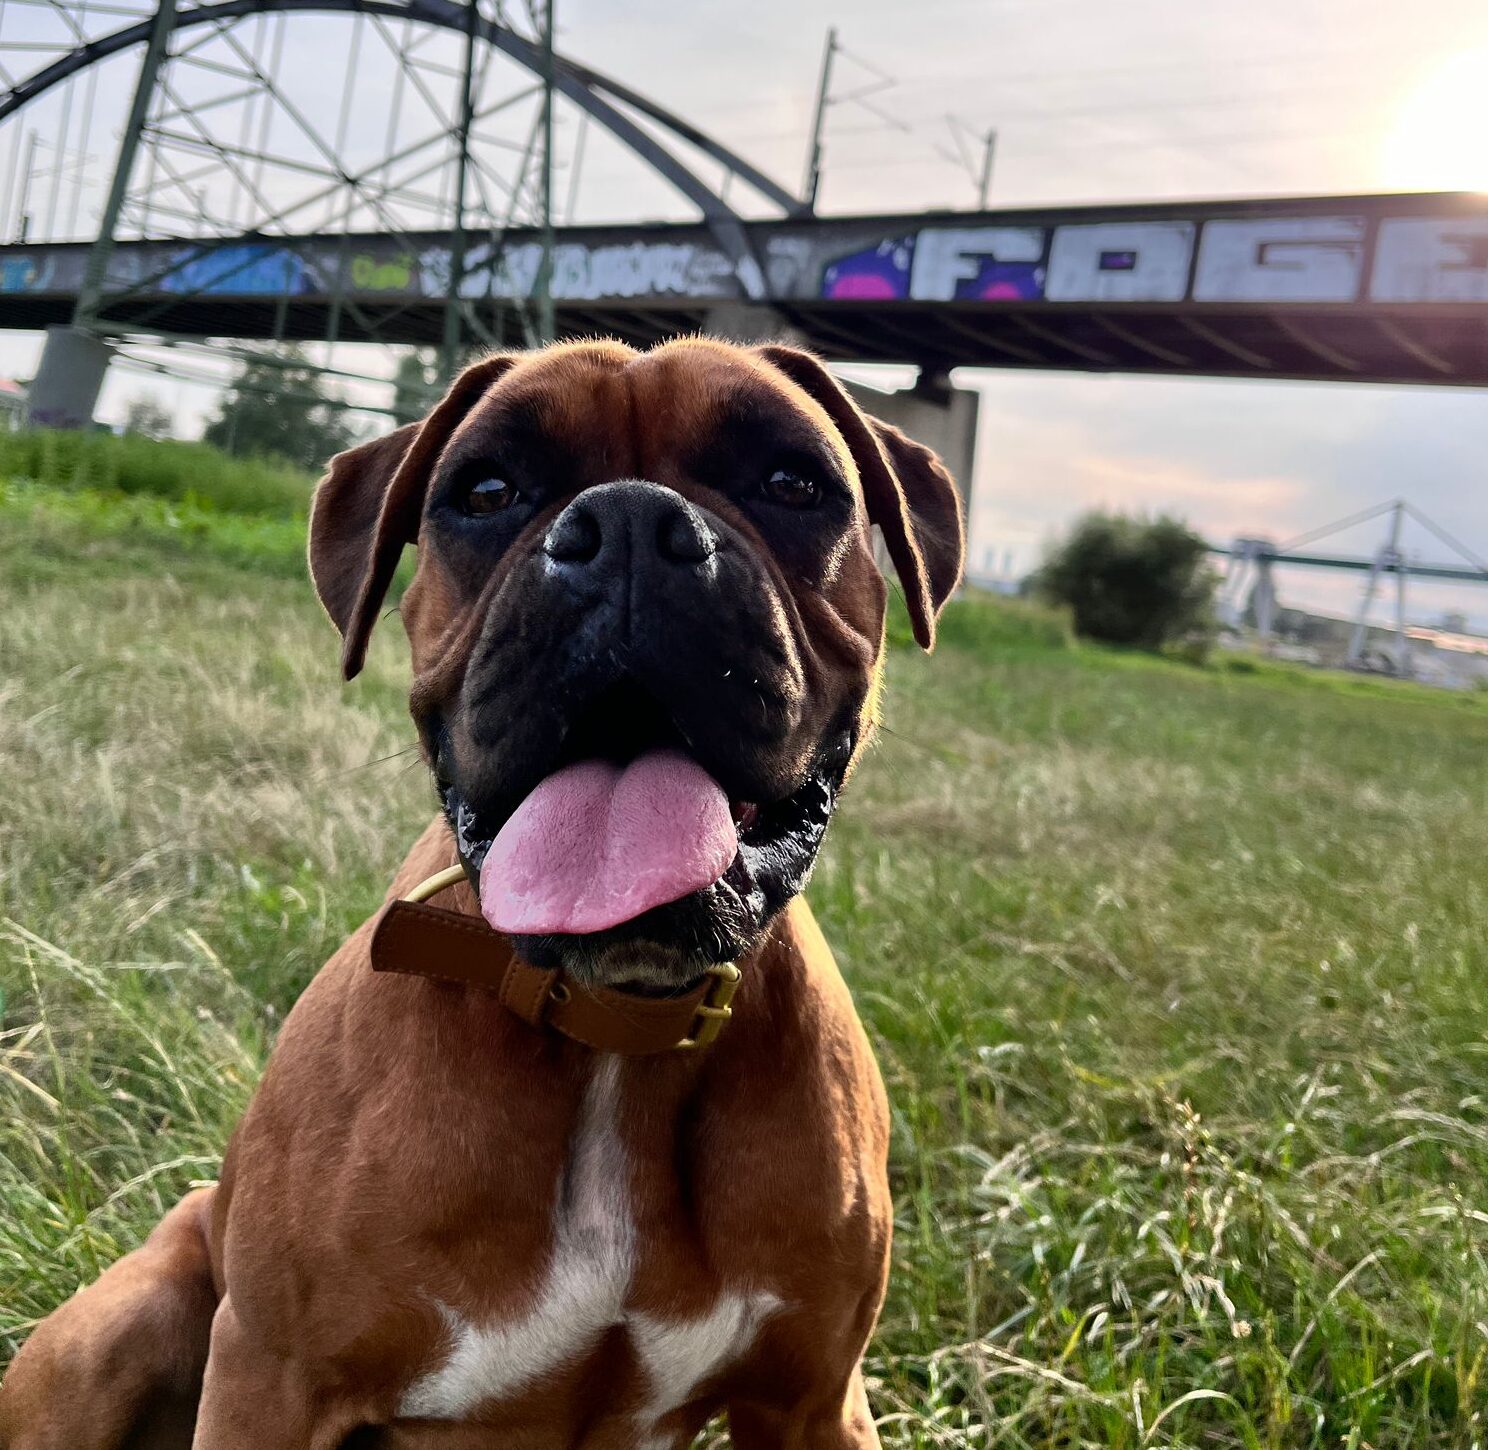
(646, 628)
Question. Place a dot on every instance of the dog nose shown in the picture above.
(614, 527)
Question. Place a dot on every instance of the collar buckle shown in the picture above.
(714, 1010)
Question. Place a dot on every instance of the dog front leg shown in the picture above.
(838, 1421)
(120, 1363)
(256, 1397)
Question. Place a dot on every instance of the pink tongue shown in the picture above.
(597, 844)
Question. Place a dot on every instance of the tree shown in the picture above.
(147, 417)
(1132, 581)
(278, 407)
(415, 390)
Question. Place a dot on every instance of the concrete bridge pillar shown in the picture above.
(936, 414)
(69, 379)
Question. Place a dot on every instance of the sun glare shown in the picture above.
(1440, 138)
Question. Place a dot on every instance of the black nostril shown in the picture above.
(575, 537)
(683, 536)
(612, 528)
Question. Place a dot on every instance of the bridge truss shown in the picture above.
(412, 172)
(248, 120)
(1249, 582)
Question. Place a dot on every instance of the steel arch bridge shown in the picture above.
(594, 93)
(255, 119)
(386, 171)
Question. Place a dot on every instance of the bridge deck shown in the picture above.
(1382, 288)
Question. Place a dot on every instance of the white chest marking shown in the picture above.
(588, 1277)
(679, 1354)
(584, 1295)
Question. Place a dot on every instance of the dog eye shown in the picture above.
(489, 496)
(792, 490)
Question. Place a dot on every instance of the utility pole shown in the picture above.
(450, 352)
(812, 183)
(984, 187)
(543, 289)
(23, 221)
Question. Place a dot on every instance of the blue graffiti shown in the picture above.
(18, 274)
(248, 269)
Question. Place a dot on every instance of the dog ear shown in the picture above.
(908, 492)
(343, 520)
(368, 506)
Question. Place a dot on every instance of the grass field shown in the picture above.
(1178, 977)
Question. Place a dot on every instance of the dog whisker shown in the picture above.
(365, 764)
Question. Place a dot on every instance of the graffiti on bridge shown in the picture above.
(1311, 257)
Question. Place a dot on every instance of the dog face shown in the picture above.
(646, 626)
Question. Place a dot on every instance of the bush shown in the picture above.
(983, 622)
(1132, 581)
(159, 469)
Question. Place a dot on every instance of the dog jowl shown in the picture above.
(510, 1193)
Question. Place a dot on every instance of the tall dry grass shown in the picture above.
(1177, 977)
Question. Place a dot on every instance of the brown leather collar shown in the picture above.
(450, 946)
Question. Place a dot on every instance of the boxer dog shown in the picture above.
(589, 1145)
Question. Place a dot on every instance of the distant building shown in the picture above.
(994, 576)
(1450, 659)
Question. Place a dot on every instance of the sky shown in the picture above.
(1091, 102)
(1143, 100)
